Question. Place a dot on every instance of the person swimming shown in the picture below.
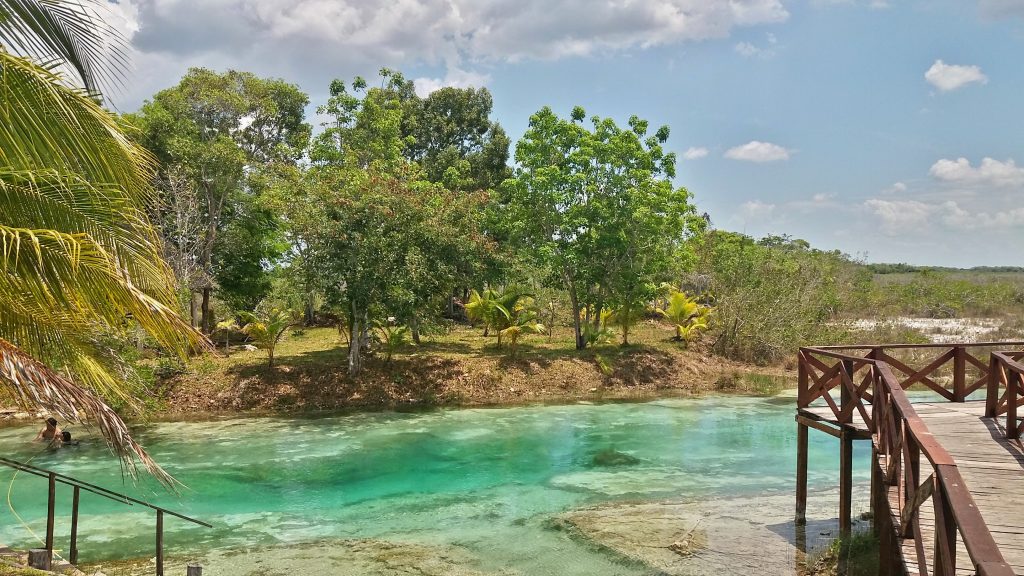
(49, 433)
(65, 440)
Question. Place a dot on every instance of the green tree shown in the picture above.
(219, 131)
(81, 259)
(597, 207)
(384, 241)
(266, 326)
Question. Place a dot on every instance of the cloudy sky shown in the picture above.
(889, 129)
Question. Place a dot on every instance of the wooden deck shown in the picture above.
(991, 465)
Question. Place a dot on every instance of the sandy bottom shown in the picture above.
(727, 536)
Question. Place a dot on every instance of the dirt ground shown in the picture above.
(460, 368)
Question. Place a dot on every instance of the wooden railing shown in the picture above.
(1006, 374)
(78, 486)
(871, 394)
(963, 369)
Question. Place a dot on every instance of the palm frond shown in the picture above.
(39, 386)
(69, 31)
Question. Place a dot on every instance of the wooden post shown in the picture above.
(194, 570)
(50, 502)
(159, 543)
(801, 386)
(876, 490)
(959, 374)
(73, 559)
(945, 534)
(845, 398)
(992, 397)
(1013, 391)
(39, 558)
(801, 473)
(845, 483)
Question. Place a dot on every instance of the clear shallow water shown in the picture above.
(487, 480)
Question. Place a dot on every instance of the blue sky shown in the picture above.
(889, 130)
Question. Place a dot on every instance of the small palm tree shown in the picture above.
(392, 337)
(79, 254)
(625, 317)
(267, 327)
(520, 324)
(689, 317)
(481, 307)
(226, 327)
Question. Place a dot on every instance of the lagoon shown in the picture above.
(478, 490)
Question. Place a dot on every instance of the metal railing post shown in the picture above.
(50, 503)
(159, 542)
(73, 558)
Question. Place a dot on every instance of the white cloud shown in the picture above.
(455, 78)
(896, 188)
(913, 217)
(695, 152)
(312, 41)
(756, 151)
(1001, 8)
(756, 211)
(748, 50)
(988, 173)
(948, 77)
(899, 216)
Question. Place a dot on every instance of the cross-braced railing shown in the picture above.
(1006, 390)
(913, 468)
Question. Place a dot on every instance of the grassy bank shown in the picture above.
(460, 367)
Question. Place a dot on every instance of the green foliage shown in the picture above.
(392, 337)
(510, 313)
(382, 240)
(624, 317)
(775, 295)
(81, 262)
(687, 314)
(597, 209)
(266, 326)
(214, 134)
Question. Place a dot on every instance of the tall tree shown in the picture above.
(219, 130)
(384, 241)
(597, 207)
(79, 257)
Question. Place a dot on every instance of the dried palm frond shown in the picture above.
(39, 386)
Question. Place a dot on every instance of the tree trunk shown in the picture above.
(354, 341)
(307, 313)
(270, 356)
(581, 343)
(414, 325)
(207, 316)
(193, 308)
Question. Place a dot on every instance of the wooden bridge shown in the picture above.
(947, 466)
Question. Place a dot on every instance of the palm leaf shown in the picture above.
(67, 31)
(39, 386)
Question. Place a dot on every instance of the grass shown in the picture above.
(856, 555)
(459, 366)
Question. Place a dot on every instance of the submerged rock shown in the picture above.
(728, 536)
(337, 557)
(609, 457)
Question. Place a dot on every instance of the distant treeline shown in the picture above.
(901, 268)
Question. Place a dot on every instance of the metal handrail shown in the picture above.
(55, 478)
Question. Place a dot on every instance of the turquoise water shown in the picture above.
(486, 480)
